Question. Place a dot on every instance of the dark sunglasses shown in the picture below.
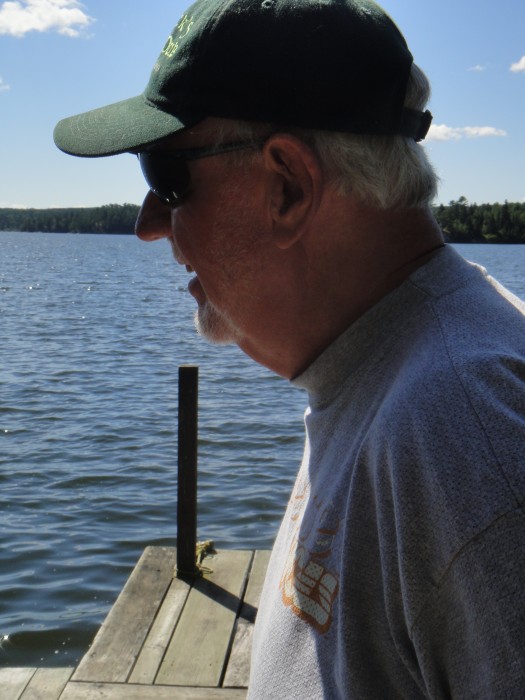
(167, 172)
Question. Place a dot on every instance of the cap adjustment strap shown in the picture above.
(415, 124)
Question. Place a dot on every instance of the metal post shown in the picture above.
(187, 472)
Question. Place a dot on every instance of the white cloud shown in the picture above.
(19, 17)
(518, 67)
(3, 85)
(478, 68)
(476, 132)
(442, 132)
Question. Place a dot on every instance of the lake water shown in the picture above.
(93, 330)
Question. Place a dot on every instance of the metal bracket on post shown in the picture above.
(187, 472)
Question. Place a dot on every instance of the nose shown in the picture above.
(153, 220)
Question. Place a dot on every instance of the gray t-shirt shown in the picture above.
(399, 568)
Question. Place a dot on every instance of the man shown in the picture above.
(280, 144)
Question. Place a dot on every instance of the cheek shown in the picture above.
(223, 240)
(238, 241)
(186, 228)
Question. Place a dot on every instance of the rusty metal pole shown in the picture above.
(187, 471)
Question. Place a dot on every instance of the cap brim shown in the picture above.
(117, 128)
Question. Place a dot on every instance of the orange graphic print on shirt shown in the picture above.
(307, 587)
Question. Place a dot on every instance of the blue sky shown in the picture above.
(61, 57)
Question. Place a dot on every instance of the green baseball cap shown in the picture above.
(339, 65)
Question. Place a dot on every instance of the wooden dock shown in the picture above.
(165, 638)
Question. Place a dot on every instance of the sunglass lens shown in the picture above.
(168, 177)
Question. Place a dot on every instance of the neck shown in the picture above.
(341, 270)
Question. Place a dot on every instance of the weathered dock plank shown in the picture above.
(47, 684)
(13, 681)
(118, 642)
(128, 691)
(200, 644)
(157, 641)
(238, 672)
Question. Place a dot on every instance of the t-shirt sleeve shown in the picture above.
(470, 635)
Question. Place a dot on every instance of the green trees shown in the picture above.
(111, 218)
(482, 223)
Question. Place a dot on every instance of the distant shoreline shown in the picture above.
(110, 218)
(461, 221)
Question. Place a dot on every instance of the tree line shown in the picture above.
(482, 223)
(110, 218)
(461, 221)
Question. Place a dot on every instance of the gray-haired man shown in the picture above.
(279, 140)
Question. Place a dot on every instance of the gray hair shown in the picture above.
(389, 172)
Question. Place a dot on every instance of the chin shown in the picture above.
(212, 326)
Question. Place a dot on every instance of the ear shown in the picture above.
(295, 186)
